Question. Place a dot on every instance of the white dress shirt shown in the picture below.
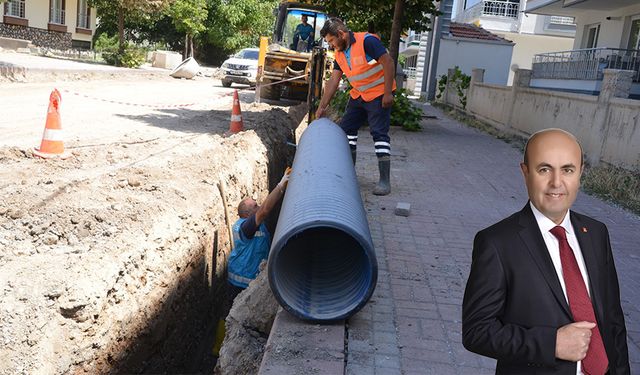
(553, 246)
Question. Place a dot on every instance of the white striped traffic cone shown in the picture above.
(52, 145)
(236, 115)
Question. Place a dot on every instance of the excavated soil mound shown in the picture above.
(112, 260)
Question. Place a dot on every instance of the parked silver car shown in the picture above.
(241, 68)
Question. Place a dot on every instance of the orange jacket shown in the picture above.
(366, 79)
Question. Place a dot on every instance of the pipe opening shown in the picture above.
(323, 273)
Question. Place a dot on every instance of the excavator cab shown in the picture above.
(295, 61)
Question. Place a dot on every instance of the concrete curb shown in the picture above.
(296, 347)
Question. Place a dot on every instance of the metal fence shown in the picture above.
(14, 8)
(410, 72)
(585, 64)
(56, 16)
(559, 20)
(500, 8)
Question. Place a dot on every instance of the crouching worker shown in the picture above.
(251, 239)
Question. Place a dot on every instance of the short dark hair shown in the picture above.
(332, 26)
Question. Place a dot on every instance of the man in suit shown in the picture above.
(542, 295)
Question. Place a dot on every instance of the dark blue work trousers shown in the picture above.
(358, 111)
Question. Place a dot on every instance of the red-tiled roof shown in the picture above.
(470, 31)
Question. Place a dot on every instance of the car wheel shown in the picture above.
(226, 83)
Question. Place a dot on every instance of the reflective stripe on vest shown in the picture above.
(367, 80)
(240, 281)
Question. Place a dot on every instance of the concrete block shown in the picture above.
(166, 59)
(403, 209)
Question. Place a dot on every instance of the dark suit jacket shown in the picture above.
(514, 304)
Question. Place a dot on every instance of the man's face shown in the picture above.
(552, 173)
(338, 42)
(304, 19)
(251, 207)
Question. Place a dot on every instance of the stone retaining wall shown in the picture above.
(39, 37)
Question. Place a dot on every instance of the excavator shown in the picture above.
(289, 67)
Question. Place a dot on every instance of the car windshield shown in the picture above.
(248, 54)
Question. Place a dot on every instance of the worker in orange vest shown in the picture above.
(370, 71)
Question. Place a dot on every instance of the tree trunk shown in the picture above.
(396, 29)
(120, 29)
(185, 55)
(190, 45)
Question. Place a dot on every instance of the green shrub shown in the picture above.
(132, 57)
(442, 84)
(459, 82)
(403, 112)
(106, 43)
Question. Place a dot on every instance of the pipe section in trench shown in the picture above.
(322, 264)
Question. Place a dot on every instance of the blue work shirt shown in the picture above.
(247, 254)
(304, 31)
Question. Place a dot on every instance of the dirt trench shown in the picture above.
(113, 260)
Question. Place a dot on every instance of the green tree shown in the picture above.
(373, 16)
(189, 17)
(236, 24)
(120, 10)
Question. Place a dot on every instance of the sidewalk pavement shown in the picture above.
(458, 181)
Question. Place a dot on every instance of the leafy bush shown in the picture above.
(459, 82)
(442, 84)
(403, 112)
(132, 57)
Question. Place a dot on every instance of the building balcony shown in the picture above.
(582, 70)
(493, 15)
(585, 64)
(491, 8)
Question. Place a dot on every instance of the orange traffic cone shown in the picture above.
(236, 116)
(52, 145)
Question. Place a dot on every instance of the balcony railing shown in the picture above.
(410, 72)
(585, 64)
(500, 8)
(56, 16)
(14, 8)
(558, 20)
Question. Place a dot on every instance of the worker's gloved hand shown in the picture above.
(285, 178)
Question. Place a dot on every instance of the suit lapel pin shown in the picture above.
(584, 230)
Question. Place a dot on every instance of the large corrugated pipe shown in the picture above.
(322, 264)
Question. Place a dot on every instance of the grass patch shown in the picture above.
(613, 184)
(461, 116)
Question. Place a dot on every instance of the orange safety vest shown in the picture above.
(366, 79)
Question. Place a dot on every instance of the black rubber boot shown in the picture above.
(384, 185)
(353, 156)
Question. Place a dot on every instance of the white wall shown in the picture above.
(529, 45)
(37, 11)
(468, 54)
(614, 33)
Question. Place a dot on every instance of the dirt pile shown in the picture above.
(247, 328)
(112, 259)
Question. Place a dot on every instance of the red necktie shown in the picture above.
(596, 362)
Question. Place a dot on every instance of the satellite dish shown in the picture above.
(514, 67)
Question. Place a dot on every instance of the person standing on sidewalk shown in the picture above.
(370, 71)
(251, 239)
(542, 296)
